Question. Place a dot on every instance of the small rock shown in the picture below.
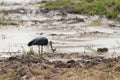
(102, 50)
(71, 61)
(112, 25)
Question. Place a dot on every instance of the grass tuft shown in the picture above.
(3, 21)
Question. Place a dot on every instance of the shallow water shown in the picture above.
(13, 39)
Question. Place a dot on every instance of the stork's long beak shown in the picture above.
(53, 49)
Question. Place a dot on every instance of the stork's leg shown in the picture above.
(41, 49)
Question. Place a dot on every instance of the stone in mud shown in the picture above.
(68, 64)
(59, 64)
(45, 10)
(112, 25)
(80, 20)
(102, 50)
(13, 58)
(71, 61)
(53, 34)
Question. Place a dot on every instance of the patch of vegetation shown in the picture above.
(96, 23)
(110, 8)
(31, 51)
(3, 21)
(58, 4)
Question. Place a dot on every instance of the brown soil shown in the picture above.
(34, 67)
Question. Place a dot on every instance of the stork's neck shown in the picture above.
(52, 47)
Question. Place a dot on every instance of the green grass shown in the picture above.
(110, 8)
(3, 21)
(96, 23)
(58, 4)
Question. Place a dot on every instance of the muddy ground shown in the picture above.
(76, 38)
(37, 67)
